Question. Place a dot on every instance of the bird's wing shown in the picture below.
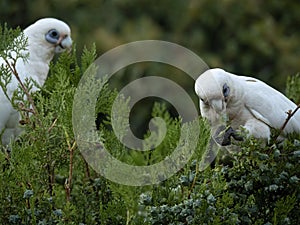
(5, 110)
(268, 105)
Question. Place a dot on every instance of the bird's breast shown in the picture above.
(36, 70)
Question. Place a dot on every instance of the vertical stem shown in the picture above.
(194, 181)
(128, 217)
(50, 178)
(68, 182)
(87, 169)
(51, 164)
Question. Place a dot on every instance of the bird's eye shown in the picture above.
(52, 36)
(53, 33)
(226, 90)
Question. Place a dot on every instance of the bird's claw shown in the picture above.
(223, 135)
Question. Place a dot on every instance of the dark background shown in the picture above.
(257, 38)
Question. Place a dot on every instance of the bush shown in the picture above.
(45, 180)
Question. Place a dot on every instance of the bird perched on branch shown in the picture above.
(45, 38)
(230, 102)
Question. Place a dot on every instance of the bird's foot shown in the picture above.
(223, 135)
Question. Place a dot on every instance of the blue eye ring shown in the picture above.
(52, 36)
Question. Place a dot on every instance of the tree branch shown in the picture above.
(13, 69)
(290, 114)
(68, 182)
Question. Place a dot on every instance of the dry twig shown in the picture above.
(12, 67)
(68, 183)
(290, 114)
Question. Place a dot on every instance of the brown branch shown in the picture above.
(52, 125)
(27, 203)
(290, 114)
(22, 107)
(87, 168)
(68, 182)
(194, 181)
(51, 179)
(13, 69)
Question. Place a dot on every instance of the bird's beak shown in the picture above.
(217, 105)
(220, 108)
(63, 43)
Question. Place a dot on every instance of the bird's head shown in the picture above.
(52, 35)
(213, 89)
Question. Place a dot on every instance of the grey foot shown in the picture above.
(223, 135)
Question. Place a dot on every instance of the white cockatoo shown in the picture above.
(239, 101)
(44, 38)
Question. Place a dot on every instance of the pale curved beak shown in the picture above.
(63, 43)
(217, 105)
(220, 108)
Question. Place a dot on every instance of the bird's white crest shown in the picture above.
(45, 37)
(248, 103)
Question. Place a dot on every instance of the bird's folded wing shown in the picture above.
(268, 105)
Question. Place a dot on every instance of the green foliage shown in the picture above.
(261, 187)
(12, 47)
(283, 208)
(45, 179)
(293, 88)
(10, 41)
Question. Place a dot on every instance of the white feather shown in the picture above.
(251, 103)
(35, 67)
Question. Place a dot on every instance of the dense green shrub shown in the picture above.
(45, 180)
